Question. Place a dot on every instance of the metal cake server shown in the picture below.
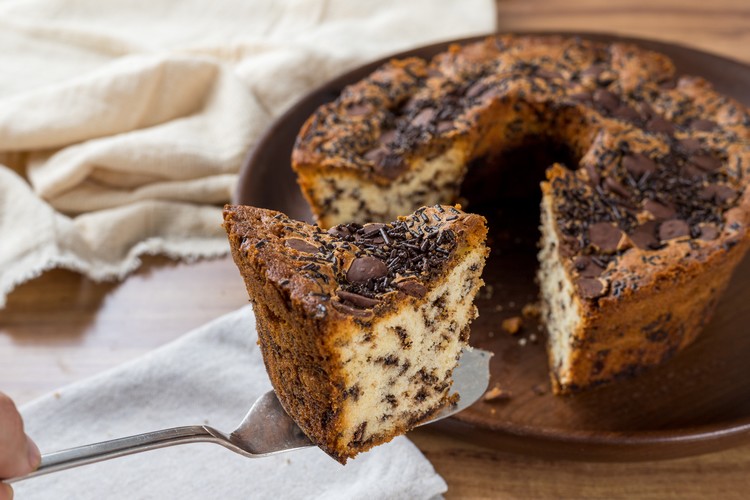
(265, 430)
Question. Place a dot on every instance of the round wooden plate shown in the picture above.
(696, 403)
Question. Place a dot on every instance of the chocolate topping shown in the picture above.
(703, 125)
(301, 245)
(412, 287)
(588, 267)
(644, 236)
(605, 236)
(708, 232)
(659, 125)
(674, 228)
(590, 288)
(638, 164)
(366, 268)
(706, 162)
(357, 299)
(658, 210)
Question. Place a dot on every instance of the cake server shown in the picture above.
(265, 430)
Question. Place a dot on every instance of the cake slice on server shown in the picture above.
(360, 326)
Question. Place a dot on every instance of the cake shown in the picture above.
(360, 326)
(644, 209)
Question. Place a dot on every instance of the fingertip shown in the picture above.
(35, 456)
(6, 492)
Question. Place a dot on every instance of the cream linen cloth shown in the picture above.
(210, 376)
(123, 123)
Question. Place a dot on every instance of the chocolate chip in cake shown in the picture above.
(644, 236)
(605, 236)
(357, 299)
(365, 268)
(674, 228)
(412, 287)
(626, 113)
(638, 164)
(590, 288)
(582, 97)
(301, 245)
(658, 210)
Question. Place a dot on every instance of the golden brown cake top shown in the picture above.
(664, 160)
(354, 270)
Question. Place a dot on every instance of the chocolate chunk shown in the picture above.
(659, 125)
(606, 100)
(593, 71)
(605, 236)
(691, 171)
(582, 97)
(658, 210)
(594, 175)
(301, 245)
(718, 193)
(590, 288)
(587, 267)
(371, 229)
(353, 311)
(340, 231)
(626, 113)
(357, 299)
(709, 232)
(706, 162)
(357, 110)
(444, 126)
(547, 74)
(703, 125)
(690, 146)
(424, 117)
(674, 228)
(644, 236)
(389, 165)
(388, 137)
(638, 164)
(615, 187)
(365, 268)
(412, 287)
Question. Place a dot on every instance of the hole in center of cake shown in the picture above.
(505, 189)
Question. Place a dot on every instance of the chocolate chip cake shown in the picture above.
(644, 216)
(360, 326)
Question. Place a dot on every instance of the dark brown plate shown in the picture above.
(697, 403)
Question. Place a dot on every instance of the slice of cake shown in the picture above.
(360, 326)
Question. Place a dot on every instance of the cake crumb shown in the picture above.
(512, 325)
(539, 390)
(522, 341)
(57, 395)
(531, 310)
(497, 393)
(487, 292)
(498, 308)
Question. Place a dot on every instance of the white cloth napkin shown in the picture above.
(123, 124)
(210, 376)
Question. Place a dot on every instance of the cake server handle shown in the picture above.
(105, 450)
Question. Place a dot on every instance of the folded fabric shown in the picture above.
(210, 376)
(123, 125)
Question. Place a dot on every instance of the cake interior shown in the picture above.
(399, 370)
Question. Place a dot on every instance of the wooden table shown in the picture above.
(61, 327)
